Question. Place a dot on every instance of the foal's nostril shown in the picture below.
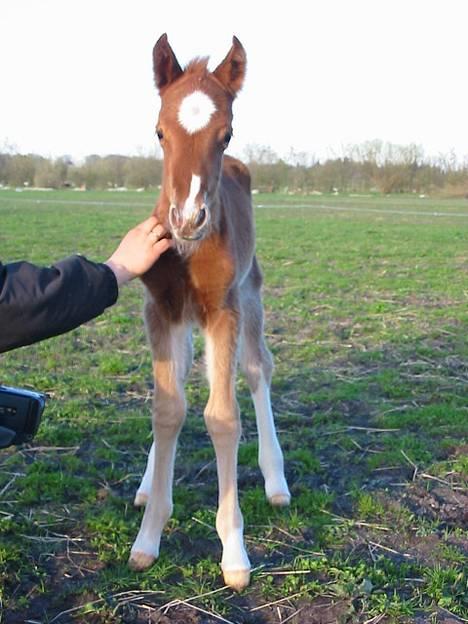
(200, 218)
(174, 217)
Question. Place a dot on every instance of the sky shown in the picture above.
(76, 76)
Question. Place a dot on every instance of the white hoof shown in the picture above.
(237, 579)
(277, 491)
(140, 561)
(280, 500)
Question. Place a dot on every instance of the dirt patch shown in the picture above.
(319, 611)
(323, 611)
(176, 615)
(440, 503)
(440, 616)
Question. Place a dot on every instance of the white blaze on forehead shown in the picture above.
(195, 111)
(190, 205)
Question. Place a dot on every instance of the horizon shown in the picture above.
(448, 160)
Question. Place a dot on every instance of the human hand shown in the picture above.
(139, 249)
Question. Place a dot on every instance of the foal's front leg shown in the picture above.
(223, 424)
(170, 366)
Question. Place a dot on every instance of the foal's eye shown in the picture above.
(160, 134)
(226, 139)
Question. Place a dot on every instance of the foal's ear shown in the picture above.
(165, 65)
(231, 71)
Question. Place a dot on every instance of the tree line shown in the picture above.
(95, 172)
(371, 166)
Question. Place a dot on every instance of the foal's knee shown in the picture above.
(223, 422)
(168, 414)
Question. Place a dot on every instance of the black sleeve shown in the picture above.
(37, 303)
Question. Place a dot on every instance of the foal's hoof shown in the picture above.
(140, 499)
(140, 561)
(237, 579)
(280, 500)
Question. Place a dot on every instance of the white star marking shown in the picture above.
(195, 111)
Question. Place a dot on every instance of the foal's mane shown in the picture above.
(198, 65)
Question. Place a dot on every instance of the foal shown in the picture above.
(211, 277)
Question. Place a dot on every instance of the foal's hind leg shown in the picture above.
(257, 365)
(171, 358)
(141, 497)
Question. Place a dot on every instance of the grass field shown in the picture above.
(366, 315)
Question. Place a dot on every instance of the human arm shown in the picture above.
(40, 302)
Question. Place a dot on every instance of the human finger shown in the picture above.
(148, 224)
(162, 245)
(156, 233)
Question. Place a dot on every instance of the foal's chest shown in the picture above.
(211, 272)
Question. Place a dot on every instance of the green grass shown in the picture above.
(366, 315)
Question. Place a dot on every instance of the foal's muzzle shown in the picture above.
(191, 226)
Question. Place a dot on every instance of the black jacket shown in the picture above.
(37, 302)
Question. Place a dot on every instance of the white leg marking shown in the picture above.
(145, 486)
(270, 455)
(234, 554)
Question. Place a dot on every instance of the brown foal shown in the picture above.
(210, 278)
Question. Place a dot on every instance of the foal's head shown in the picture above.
(194, 128)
